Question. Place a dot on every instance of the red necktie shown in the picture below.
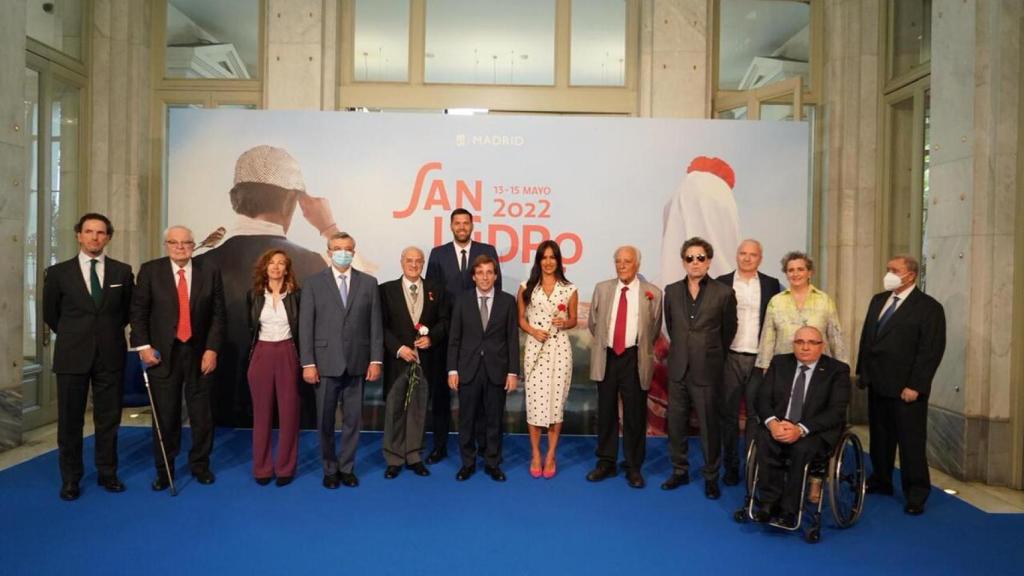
(184, 320)
(619, 337)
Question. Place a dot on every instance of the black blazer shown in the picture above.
(495, 350)
(699, 345)
(828, 394)
(399, 329)
(82, 328)
(443, 268)
(907, 351)
(154, 310)
(254, 304)
(769, 287)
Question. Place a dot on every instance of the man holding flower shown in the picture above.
(415, 317)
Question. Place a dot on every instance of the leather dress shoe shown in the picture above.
(392, 472)
(161, 483)
(284, 480)
(465, 472)
(204, 476)
(495, 473)
(765, 513)
(914, 509)
(675, 481)
(711, 490)
(601, 472)
(349, 479)
(418, 468)
(332, 481)
(635, 479)
(437, 455)
(876, 488)
(263, 480)
(784, 520)
(731, 477)
(110, 483)
(69, 491)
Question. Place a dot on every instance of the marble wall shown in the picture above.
(674, 79)
(12, 217)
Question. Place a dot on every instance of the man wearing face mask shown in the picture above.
(342, 346)
(901, 345)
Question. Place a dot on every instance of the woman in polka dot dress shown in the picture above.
(547, 309)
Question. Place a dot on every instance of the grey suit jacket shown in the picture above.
(699, 344)
(340, 339)
(648, 329)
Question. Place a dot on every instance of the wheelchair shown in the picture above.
(843, 476)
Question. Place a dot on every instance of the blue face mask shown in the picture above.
(342, 258)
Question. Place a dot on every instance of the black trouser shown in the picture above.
(777, 482)
(621, 377)
(897, 424)
(441, 406)
(738, 382)
(682, 395)
(72, 396)
(167, 389)
(479, 396)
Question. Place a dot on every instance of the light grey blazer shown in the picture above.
(338, 338)
(648, 329)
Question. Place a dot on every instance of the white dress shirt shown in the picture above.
(274, 325)
(902, 298)
(632, 312)
(85, 263)
(458, 253)
(748, 313)
(807, 387)
(188, 275)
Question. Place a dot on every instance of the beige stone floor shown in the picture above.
(993, 499)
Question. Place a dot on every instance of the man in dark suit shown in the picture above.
(415, 317)
(85, 302)
(268, 186)
(483, 361)
(342, 346)
(700, 315)
(450, 265)
(753, 291)
(901, 346)
(803, 401)
(177, 317)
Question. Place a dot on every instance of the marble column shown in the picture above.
(13, 142)
(295, 54)
(674, 75)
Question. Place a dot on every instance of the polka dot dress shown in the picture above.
(548, 365)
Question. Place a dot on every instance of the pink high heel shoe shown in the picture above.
(549, 472)
(535, 472)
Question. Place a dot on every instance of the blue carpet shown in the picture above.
(434, 525)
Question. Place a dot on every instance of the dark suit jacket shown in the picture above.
(443, 268)
(255, 303)
(769, 287)
(494, 350)
(907, 351)
(82, 328)
(399, 329)
(825, 402)
(154, 310)
(699, 346)
(340, 339)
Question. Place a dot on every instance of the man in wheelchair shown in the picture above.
(803, 400)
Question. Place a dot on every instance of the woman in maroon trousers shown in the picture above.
(273, 305)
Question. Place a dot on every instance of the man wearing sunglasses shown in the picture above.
(700, 315)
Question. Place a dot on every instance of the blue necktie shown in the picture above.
(796, 400)
(343, 288)
(888, 313)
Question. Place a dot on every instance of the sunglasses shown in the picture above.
(698, 257)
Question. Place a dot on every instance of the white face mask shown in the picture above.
(891, 281)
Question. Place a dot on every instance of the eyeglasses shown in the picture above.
(179, 244)
(808, 342)
(698, 257)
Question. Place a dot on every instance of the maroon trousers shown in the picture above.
(274, 373)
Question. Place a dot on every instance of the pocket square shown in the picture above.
(116, 285)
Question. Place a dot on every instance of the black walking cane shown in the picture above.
(156, 424)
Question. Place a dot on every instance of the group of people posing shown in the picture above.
(453, 330)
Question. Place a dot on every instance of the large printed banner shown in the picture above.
(591, 184)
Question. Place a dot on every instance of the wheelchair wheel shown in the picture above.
(847, 479)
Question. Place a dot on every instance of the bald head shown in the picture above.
(748, 257)
(808, 344)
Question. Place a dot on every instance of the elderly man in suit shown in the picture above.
(753, 291)
(177, 317)
(342, 346)
(85, 302)
(450, 266)
(700, 316)
(483, 365)
(415, 318)
(901, 346)
(625, 319)
(803, 401)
